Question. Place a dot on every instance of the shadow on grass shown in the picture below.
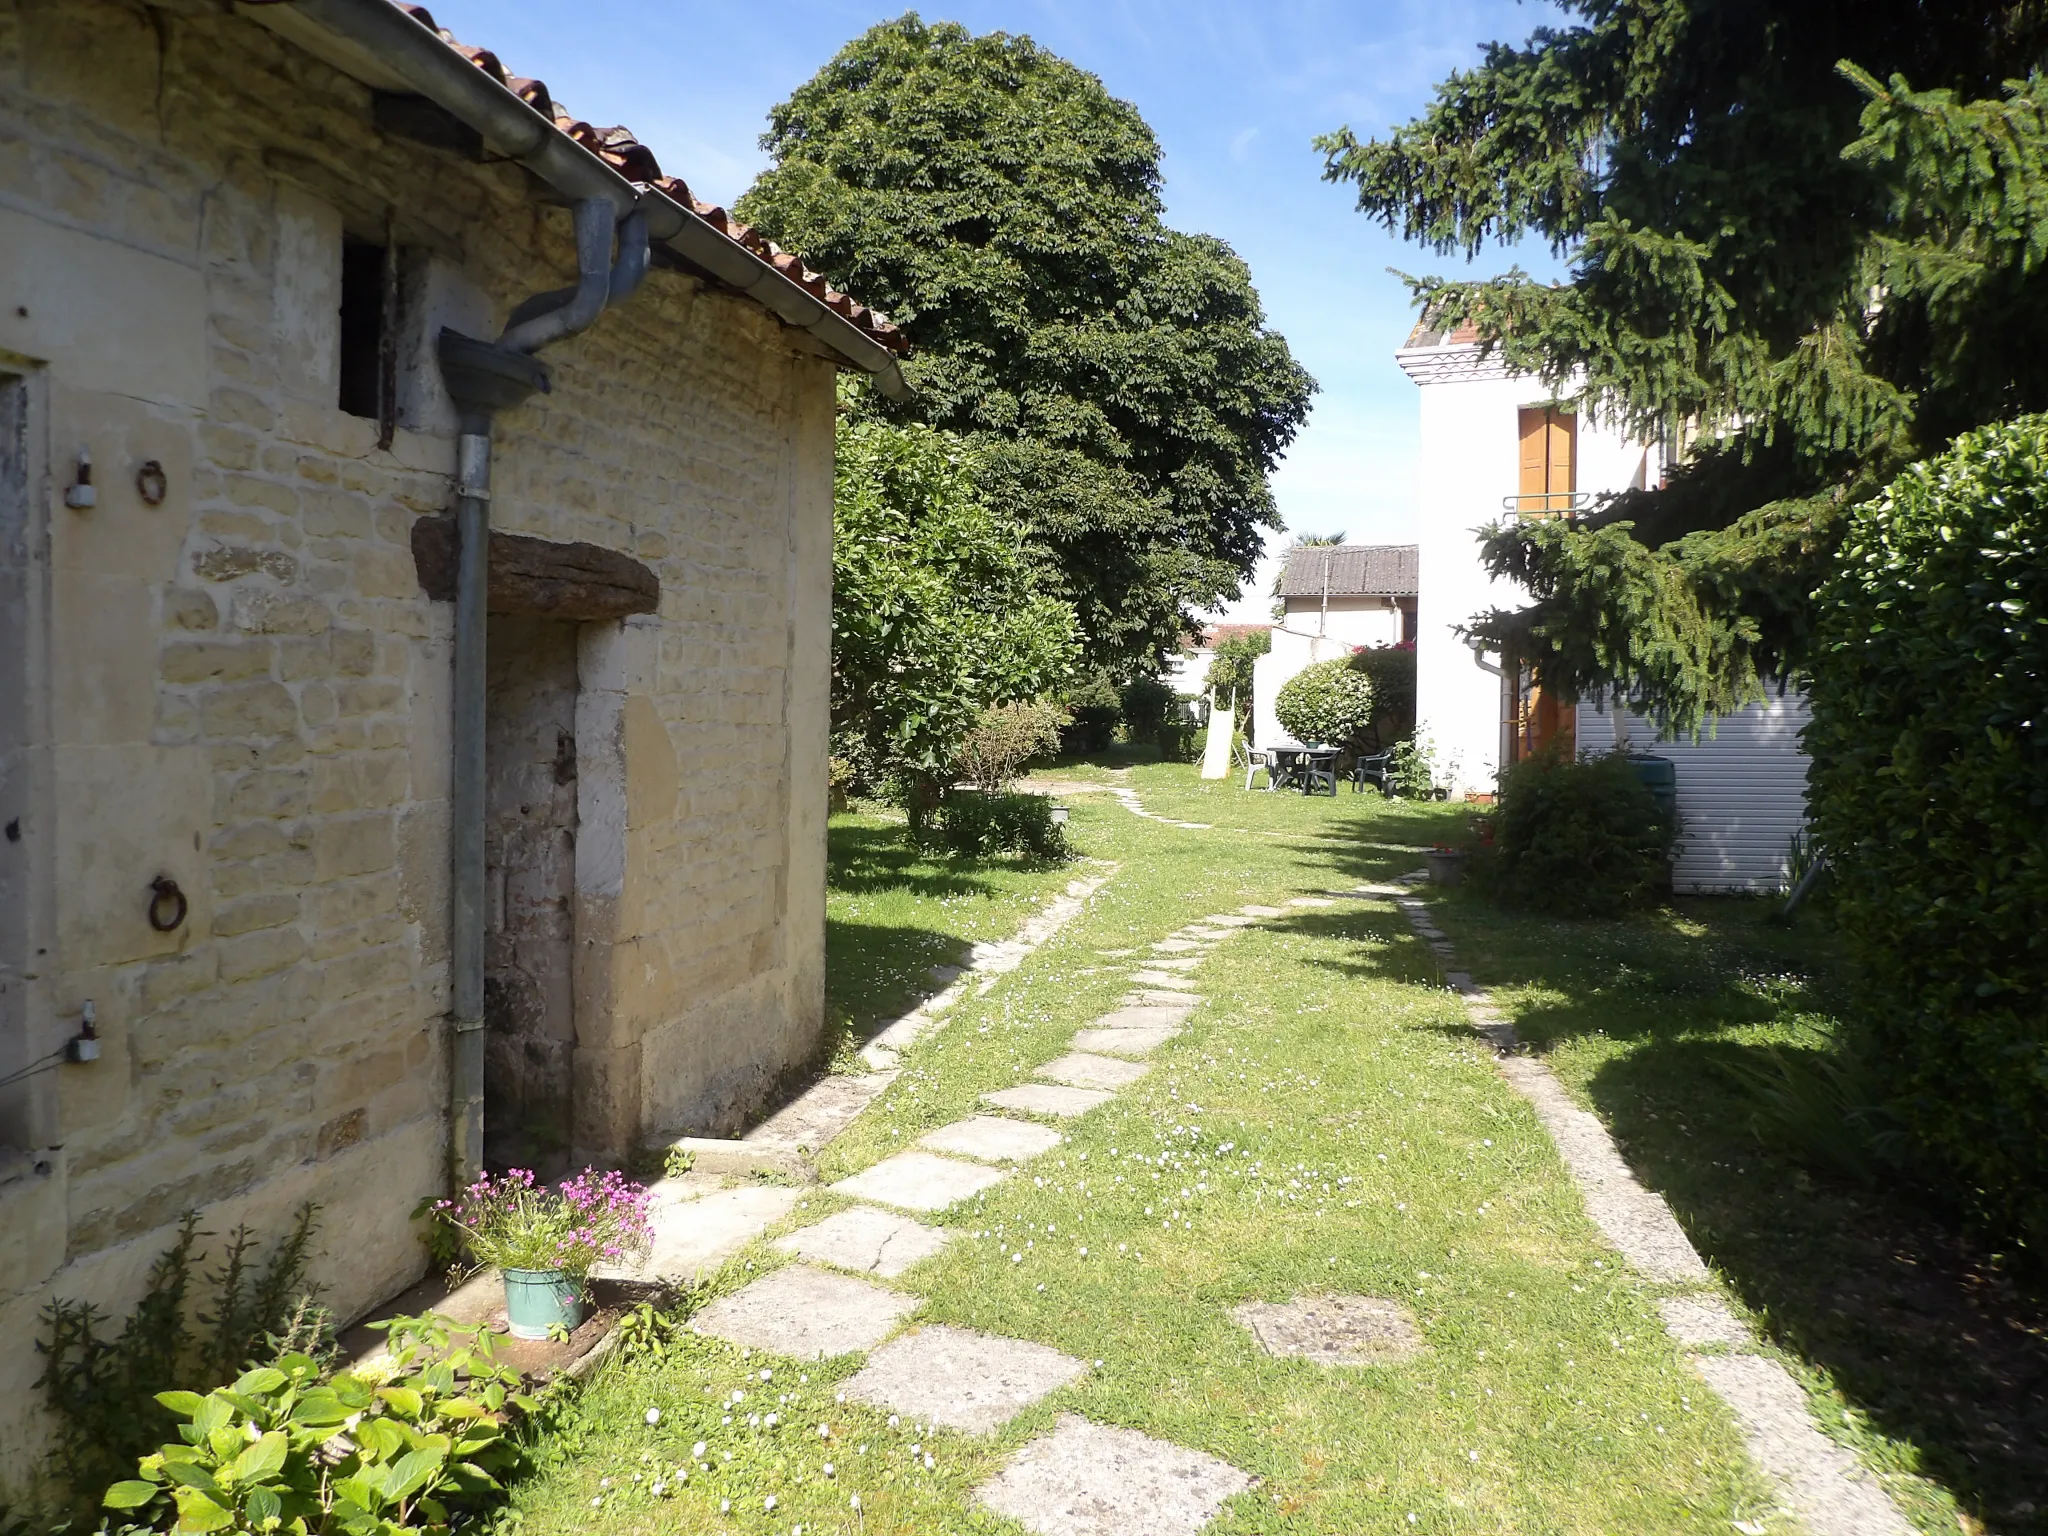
(1935, 1339)
(863, 860)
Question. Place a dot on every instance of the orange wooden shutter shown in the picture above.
(1534, 423)
(1564, 442)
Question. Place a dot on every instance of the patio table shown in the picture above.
(1312, 770)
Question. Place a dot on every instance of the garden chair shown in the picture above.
(1254, 760)
(1373, 768)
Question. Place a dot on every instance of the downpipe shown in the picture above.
(484, 378)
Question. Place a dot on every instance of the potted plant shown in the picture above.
(1446, 865)
(545, 1240)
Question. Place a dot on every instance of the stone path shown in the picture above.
(1827, 1489)
(1082, 1479)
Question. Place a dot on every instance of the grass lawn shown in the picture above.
(1918, 1348)
(1325, 1123)
(892, 913)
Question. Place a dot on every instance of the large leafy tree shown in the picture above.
(1806, 242)
(1125, 397)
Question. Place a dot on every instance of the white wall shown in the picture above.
(1470, 440)
(1353, 621)
(1741, 792)
(1187, 673)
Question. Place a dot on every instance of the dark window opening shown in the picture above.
(1408, 623)
(363, 306)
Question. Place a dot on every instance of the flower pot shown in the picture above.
(537, 1301)
(1446, 866)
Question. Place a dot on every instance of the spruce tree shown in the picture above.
(1806, 243)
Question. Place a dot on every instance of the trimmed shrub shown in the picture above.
(1391, 670)
(1929, 794)
(1579, 838)
(1325, 702)
(977, 824)
(1002, 740)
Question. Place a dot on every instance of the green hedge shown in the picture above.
(1929, 792)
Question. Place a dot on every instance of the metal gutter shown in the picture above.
(403, 51)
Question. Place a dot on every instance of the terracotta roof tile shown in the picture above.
(620, 149)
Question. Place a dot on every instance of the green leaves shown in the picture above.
(1118, 376)
(1800, 269)
(280, 1449)
(1929, 791)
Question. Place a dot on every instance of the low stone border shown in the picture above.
(1827, 1489)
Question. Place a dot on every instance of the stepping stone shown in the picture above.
(1174, 963)
(1144, 1016)
(992, 1139)
(1204, 935)
(917, 1181)
(1262, 912)
(1698, 1320)
(1158, 978)
(1122, 1042)
(692, 1238)
(1045, 1099)
(961, 1380)
(1084, 1071)
(1163, 999)
(1175, 946)
(1333, 1330)
(806, 1313)
(871, 1241)
(1311, 901)
(1228, 920)
(1088, 1479)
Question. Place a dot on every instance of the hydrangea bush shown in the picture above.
(1325, 702)
(516, 1222)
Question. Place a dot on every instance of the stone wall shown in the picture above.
(243, 689)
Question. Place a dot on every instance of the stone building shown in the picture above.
(233, 240)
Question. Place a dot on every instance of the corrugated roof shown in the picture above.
(1354, 570)
(618, 148)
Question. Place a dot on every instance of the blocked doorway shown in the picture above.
(530, 893)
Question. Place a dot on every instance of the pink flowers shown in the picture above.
(514, 1221)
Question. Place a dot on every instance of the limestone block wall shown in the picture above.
(243, 689)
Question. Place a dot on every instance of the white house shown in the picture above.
(1497, 444)
(1335, 599)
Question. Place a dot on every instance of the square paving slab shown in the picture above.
(961, 1380)
(1081, 1070)
(1158, 979)
(1153, 998)
(1045, 1099)
(1175, 946)
(1227, 920)
(872, 1241)
(1333, 1330)
(1144, 1016)
(1088, 1479)
(1311, 901)
(1173, 962)
(918, 1181)
(806, 1313)
(993, 1139)
(1261, 911)
(1122, 1042)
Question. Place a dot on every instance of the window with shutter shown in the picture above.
(1547, 468)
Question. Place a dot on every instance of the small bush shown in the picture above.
(1411, 768)
(103, 1388)
(1003, 740)
(1230, 670)
(1325, 702)
(1094, 710)
(1581, 838)
(978, 824)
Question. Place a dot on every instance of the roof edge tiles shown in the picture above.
(386, 44)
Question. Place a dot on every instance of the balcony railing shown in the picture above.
(1547, 503)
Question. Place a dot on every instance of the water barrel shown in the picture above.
(1659, 775)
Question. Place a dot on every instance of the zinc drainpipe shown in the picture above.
(484, 378)
(383, 43)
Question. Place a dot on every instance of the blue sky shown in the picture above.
(1235, 92)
